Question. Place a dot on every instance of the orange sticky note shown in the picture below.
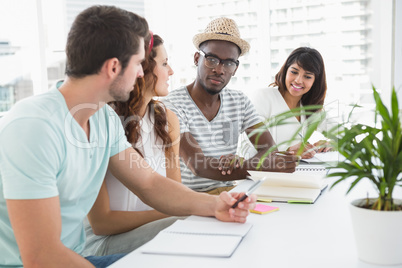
(263, 209)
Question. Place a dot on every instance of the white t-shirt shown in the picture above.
(151, 147)
(269, 102)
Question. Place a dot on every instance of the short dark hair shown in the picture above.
(100, 33)
(310, 60)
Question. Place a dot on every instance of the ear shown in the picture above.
(196, 58)
(112, 67)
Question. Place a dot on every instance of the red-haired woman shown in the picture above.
(120, 221)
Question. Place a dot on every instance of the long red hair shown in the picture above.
(129, 110)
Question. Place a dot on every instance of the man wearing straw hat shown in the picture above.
(212, 116)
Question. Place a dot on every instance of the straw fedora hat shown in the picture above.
(222, 29)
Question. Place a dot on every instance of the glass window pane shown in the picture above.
(18, 52)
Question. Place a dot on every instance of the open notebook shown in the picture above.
(198, 238)
(303, 186)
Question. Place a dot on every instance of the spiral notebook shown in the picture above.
(315, 169)
(198, 238)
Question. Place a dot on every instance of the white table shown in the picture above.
(298, 235)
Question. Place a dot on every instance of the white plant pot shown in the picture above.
(378, 234)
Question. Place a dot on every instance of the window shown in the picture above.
(19, 57)
(354, 39)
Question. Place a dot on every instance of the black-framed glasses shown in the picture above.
(213, 62)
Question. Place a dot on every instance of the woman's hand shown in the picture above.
(323, 146)
(308, 152)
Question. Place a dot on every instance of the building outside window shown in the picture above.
(349, 34)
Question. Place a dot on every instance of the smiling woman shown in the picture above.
(300, 82)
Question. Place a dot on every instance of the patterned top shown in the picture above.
(216, 137)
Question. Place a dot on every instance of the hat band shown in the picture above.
(224, 34)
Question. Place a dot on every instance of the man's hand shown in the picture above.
(280, 162)
(229, 162)
(225, 212)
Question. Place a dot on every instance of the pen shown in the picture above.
(286, 153)
(302, 138)
(300, 135)
(282, 153)
(249, 191)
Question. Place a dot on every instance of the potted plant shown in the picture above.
(374, 153)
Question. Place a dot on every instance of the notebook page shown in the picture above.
(296, 179)
(192, 245)
(328, 157)
(210, 228)
(287, 193)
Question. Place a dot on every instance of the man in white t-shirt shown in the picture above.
(55, 149)
(212, 116)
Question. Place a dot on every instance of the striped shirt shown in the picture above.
(216, 137)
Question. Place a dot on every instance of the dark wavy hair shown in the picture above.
(129, 110)
(310, 60)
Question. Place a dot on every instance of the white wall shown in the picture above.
(398, 49)
(381, 75)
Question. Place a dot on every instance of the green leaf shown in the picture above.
(354, 183)
(382, 110)
(395, 109)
